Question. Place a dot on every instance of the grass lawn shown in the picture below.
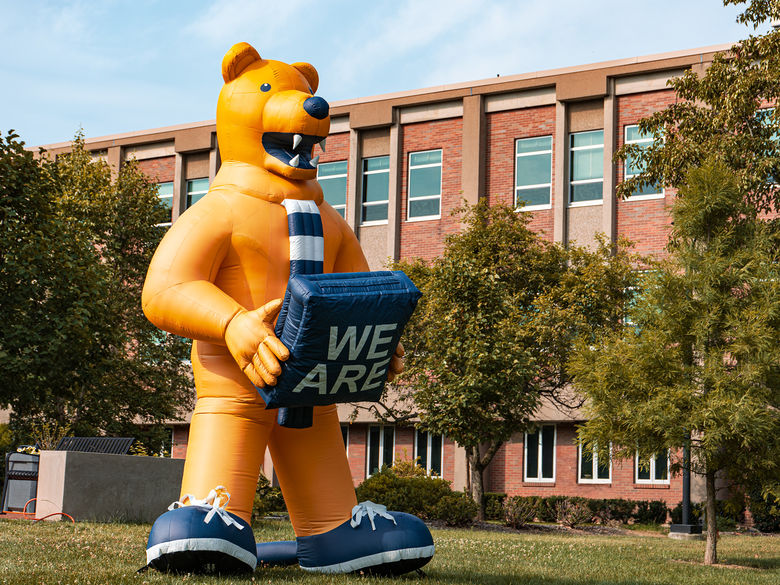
(54, 553)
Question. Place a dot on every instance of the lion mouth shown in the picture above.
(292, 149)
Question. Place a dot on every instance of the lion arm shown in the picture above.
(179, 294)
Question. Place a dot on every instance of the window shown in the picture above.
(590, 469)
(196, 189)
(424, 185)
(539, 454)
(332, 177)
(165, 193)
(376, 187)
(586, 181)
(533, 171)
(427, 448)
(345, 436)
(654, 469)
(634, 167)
(381, 445)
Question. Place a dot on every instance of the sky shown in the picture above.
(113, 66)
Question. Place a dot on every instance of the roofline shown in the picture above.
(701, 51)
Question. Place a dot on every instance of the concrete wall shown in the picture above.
(105, 488)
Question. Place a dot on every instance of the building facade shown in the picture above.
(397, 165)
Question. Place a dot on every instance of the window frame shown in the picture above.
(171, 196)
(652, 480)
(626, 175)
(596, 478)
(572, 150)
(345, 437)
(517, 189)
(381, 448)
(428, 451)
(363, 202)
(202, 192)
(409, 197)
(340, 209)
(539, 464)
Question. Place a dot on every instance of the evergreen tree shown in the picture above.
(700, 354)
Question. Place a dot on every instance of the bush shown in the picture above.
(697, 512)
(572, 512)
(416, 495)
(546, 510)
(650, 512)
(267, 499)
(519, 511)
(494, 505)
(765, 511)
(456, 509)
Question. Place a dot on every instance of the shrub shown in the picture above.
(519, 511)
(416, 495)
(572, 512)
(267, 499)
(547, 508)
(697, 512)
(494, 505)
(650, 512)
(456, 509)
(765, 511)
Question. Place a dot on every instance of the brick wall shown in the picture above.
(505, 474)
(503, 128)
(644, 222)
(181, 434)
(425, 239)
(161, 169)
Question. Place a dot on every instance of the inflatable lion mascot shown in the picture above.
(218, 277)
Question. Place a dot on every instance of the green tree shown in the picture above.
(701, 355)
(726, 111)
(500, 312)
(75, 348)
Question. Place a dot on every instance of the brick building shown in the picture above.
(396, 165)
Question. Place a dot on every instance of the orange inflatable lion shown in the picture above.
(218, 277)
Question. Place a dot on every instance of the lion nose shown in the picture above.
(316, 107)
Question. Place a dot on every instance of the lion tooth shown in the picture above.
(297, 140)
(295, 160)
(322, 145)
(315, 161)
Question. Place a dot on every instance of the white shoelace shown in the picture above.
(370, 509)
(217, 499)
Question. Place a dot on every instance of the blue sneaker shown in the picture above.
(200, 536)
(388, 543)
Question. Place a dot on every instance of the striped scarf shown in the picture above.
(307, 253)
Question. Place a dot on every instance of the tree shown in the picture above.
(75, 348)
(500, 311)
(700, 357)
(726, 112)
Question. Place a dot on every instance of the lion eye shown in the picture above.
(265, 87)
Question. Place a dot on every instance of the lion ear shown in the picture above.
(237, 59)
(310, 73)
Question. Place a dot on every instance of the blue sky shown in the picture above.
(111, 66)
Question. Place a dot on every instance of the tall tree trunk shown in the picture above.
(477, 486)
(711, 550)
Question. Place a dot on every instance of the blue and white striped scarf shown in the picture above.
(307, 254)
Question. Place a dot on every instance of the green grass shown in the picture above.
(53, 553)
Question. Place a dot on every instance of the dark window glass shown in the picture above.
(661, 467)
(548, 451)
(532, 455)
(373, 450)
(436, 454)
(586, 463)
(388, 446)
(345, 434)
(422, 449)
